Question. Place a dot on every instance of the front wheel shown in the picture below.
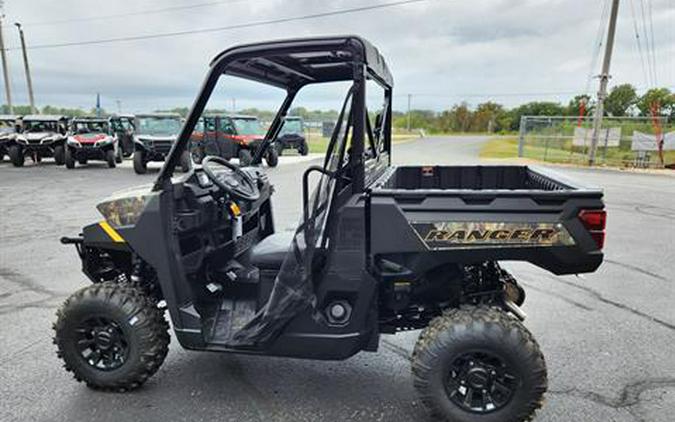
(59, 155)
(140, 166)
(245, 158)
(479, 363)
(70, 159)
(16, 155)
(185, 161)
(111, 336)
(119, 158)
(304, 149)
(110, 158)
(272, 157)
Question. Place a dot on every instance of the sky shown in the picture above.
(441, 52)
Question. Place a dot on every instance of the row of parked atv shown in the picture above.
(146, 137)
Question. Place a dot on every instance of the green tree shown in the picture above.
(486, 117)
(535, 108)
(662, 96)
(620, 100)
(574, 106)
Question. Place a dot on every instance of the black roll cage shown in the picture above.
(291, 65)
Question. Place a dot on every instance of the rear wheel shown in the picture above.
(111, 336)
(479, 364)
(272, 157)
(70, 159)
(140, 166)
(245, 158)
(59, 155)
(110, 158)
(16, 155)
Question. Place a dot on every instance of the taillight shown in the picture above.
(595, 221)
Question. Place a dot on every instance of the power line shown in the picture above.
(639, 43)
(130, 14)
(225, 28)
(651, 29)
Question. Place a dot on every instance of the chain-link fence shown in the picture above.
(622, 141)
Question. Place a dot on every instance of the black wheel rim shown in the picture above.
(480, 382)
(101, 343)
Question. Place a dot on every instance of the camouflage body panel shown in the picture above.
(124, 208)
(484, 234)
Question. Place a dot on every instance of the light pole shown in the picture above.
(604, 79)
(5, 72)
(27, 68)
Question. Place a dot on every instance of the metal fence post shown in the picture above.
(521, 136)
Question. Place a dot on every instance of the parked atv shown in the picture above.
(154, 136)
(41, 136)
(91, 139)
(9, 128)
(230, 137)
(379, 249)
(123, 128)
(292, 136)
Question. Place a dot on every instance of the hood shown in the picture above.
(90, 138)
(143, 138)
(36, 136)
(247, 138)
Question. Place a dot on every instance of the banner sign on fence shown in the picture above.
(646, 142)
(609, 137)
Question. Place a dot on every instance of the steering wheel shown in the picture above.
(235, 181)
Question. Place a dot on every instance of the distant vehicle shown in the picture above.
(91, 139)
(230, 137)
(41, 136)
(122, 126)
(292, 136)
(154, 136)
(8, 131)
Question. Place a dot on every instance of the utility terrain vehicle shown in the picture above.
(229, 137)
(91, 139)
(154, 135)
(292, 136)
(122, 126)
(379, 249)
(8, 130)
(41, 136)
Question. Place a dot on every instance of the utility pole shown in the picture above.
(409, 99)
(5, 73)
(119, 106)
(27, 68)
(604, 79)
(234, 105)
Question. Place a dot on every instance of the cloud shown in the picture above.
(452, 49)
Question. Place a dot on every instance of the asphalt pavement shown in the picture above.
(608, 337)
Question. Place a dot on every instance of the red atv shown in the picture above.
(230, 137)
(91, 139)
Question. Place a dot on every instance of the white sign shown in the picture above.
(608, 137)
(646, 142)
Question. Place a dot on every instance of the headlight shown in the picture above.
(21, 139)
(73, 142)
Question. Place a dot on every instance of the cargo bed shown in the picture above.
(471, 214)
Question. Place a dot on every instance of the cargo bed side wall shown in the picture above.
(408, 211)
(469, 177)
